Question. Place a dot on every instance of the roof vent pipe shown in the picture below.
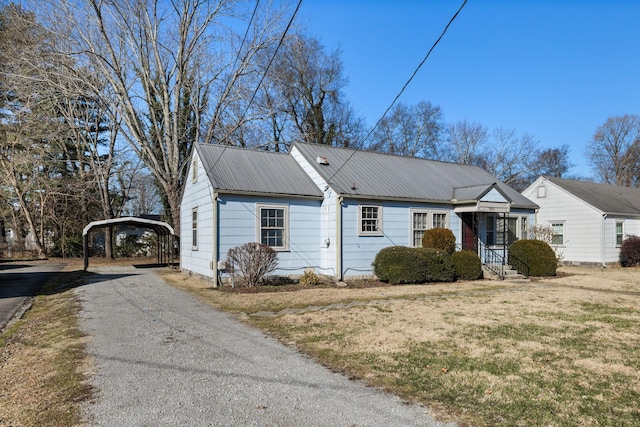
(322, 160)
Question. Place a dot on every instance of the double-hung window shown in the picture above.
(619, 233)
(273, 223)
(369, 220)
(557, 233)
(422, 220)
(194, 229)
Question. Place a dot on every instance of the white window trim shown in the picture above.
(430, 213)
(615, 230)
(378, 231)
(285, 232)
(564, 233)
(194, 229)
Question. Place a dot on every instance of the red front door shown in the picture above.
(469, 231)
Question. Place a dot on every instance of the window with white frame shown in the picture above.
(619, 232)
(557, 233)
(273, 224)
(369, 220)
(422, 220)
(194, 229)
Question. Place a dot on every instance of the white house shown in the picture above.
(333, 209)
(589, 221)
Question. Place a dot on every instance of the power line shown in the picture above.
(264, 75)
(405, 85)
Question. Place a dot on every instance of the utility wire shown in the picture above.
(405, 85)
(264, 75)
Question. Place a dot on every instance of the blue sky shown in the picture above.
(553, 69)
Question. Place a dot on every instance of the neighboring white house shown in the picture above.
(589, 221)
(333, 209)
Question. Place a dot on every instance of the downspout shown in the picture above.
(214, 259)
(602, 238)
(339, 238)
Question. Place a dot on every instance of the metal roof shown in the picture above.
(375, 175)
(610, 199)
(233, 169)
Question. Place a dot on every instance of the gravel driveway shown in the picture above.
(163, 358)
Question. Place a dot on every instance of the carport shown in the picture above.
(165, 233)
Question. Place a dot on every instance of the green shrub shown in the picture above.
(630, 251)
(439, 267)
(439, 238)
(400, 264)
(467, 264)
(68, 247)
(538, 255)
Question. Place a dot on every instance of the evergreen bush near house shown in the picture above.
(400, 264)
(538, 255)
(439, 266)
(467, 264)
(630, 251)
(439, 238)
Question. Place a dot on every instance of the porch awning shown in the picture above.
(481, 206)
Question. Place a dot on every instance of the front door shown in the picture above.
(470, 231)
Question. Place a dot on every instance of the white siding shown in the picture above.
(583, 224)
(328, 220)
(198, 195)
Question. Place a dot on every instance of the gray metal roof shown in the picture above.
(232, 169)
(610, 199)
(369, 174)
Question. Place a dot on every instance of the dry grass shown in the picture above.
(563, 351)
(42, 362)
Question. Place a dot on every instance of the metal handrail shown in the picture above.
(521, 264)
(491, 259)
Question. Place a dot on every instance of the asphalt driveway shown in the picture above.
(163, 358)
(19, 282)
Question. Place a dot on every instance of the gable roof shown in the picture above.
(358, 173)
(232, 169)
(610, 199)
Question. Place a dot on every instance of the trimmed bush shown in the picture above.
(439, 267)
(537, 254)
(400, 264)
(253, 261)
(630, 251)
(439, 238)
(467, 264)
(309, 278)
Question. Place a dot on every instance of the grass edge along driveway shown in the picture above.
(561, 351)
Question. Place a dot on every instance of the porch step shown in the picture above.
(510, 275)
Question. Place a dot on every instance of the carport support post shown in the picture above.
(85, 249)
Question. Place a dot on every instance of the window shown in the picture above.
(424, 220)
(557, 233)
(507, 229)
(619, 233)
(194, 229)
(194, 170)
(504, 230)
(370, 220)
(272, 226)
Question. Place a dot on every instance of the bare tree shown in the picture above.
(411, 131)
(466, 142)
(178, 72)
(302, 98)
(614, 150)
